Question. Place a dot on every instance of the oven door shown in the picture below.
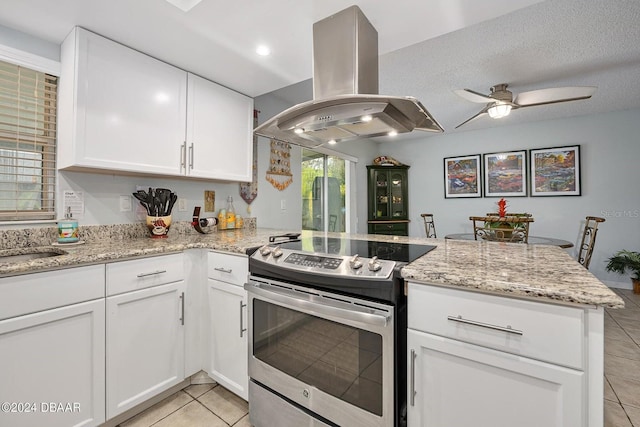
(330, 354)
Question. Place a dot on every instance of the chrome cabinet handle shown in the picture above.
(507, 328)
(182, 309)
(413, 377)
(153, 273)
(224, 270)
(328, 307)
(183, 156)
(190, 156)
(242, 328)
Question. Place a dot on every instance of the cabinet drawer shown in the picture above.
(41, 291)
(549, 332)
(228, 268)
(395, 228)
(143, 273)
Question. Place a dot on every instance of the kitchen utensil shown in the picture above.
(142, 196)
(172, 201)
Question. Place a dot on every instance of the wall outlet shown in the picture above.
(182, 205)
(125, 204)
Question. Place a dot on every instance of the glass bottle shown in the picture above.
(231, 213)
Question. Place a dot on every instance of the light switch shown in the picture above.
(283, 205)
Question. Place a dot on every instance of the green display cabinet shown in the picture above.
(388, 201)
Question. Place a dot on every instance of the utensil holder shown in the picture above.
(158, 226)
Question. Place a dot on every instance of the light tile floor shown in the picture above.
(201, 405)
(212, 405)
(622, 363)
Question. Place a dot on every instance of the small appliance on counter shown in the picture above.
(68, 228)
(158, 203)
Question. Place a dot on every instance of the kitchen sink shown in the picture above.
(11, 255)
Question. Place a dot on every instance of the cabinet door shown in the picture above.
(145, 345)
(398, 194)
(54, 356)
(380, 193)
(228, 341)
(127, 109)
(219, 132)
(458, 384)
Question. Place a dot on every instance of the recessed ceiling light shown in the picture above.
(263, 50)
(366, 118)
(298, 130)
(184, 5)
(332, 142)
(392, 133)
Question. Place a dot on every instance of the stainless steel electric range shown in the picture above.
(327, 334)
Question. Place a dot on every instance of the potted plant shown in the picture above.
(624, 261)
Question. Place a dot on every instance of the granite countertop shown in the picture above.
(527, 271)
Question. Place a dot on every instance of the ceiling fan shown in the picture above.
(500, 101)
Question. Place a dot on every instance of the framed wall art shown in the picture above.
(555, 171)
(462, 177)
(505, 174)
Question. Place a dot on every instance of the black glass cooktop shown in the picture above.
(392, 251)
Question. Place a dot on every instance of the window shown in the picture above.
(27, 143)
(324, 190)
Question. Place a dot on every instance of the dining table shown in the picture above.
(532, 240)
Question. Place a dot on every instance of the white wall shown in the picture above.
(610, 154)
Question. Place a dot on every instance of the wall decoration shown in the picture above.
(462, 177)
(209, 201)
(505, 174)
(555, 171)
(279, 171)
(249, 190)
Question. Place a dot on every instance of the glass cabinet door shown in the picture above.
(397, 194)
(381, 185)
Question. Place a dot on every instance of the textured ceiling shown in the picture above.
(428, 47)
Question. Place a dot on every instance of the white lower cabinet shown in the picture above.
(227, 323)
(52, 370)
(228, 347)
(484, 360)
(456, 384)
(145, 344)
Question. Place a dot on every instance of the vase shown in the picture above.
(636, 286)
(158, 226)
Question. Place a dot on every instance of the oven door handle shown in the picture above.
(326, 307)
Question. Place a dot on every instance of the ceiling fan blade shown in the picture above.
(472, 96)
(477, 115)
(554, 95)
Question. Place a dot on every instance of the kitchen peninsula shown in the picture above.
(549, 305)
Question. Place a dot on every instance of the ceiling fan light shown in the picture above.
(498, 111)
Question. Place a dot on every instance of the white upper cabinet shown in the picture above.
(123, 111)
(119, 109)
(219, 131)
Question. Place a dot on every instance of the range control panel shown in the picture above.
(325, 264)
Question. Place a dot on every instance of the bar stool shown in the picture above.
(588, 240)
(429, 225)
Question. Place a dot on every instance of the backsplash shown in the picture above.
(44, 236)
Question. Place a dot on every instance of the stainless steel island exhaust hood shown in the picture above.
(346, 104)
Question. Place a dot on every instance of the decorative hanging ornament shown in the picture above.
(249, 190)
(279, 170)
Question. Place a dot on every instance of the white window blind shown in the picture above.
(27, 143)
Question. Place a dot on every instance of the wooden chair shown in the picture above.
(429, 225)
(333, 220)
(585, 250)
(513, 229)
